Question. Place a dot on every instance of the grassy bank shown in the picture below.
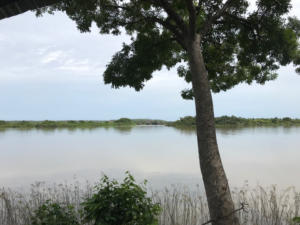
(184, 121)
(79, 124)
(265, 206)
(239, 121)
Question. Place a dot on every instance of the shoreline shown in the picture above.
(188, 121)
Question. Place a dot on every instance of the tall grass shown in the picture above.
(266, 206)
(17, 207)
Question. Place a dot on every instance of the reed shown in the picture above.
(265, 206)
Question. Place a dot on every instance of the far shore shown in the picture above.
(184, 121)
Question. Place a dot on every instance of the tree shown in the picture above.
(222, 43)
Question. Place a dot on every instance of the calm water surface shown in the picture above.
(162, 155)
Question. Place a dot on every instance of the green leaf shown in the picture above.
(119, 204)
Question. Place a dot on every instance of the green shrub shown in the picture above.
(54, 214)
(47, 123)
(149, 122)
(2, 122)
(186, 121)
(118, 204)
(274, 120)
(124, 121)
(286, 119)
(230, 120)
(295, 221)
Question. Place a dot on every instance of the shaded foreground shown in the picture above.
(263, 206)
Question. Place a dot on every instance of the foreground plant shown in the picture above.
(295, 221)
(54, 214)
(111, 204)
(118, 204)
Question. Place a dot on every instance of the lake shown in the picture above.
(162, 155)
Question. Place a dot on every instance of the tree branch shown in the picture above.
(242, 208)
(181, 43)
(198, 8)
(238, 18)
(249, 25)
(244, 20)
(212, 41)
(221, 11)
(128, 23)
(170, 27)
(219, 22)
(165, 23)
(192, 17)
(152, 2)
(207, 25)
(118, 7)
(174, 15)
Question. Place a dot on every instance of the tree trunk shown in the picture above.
(215, 181)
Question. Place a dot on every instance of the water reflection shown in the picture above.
(123, 130)
(2, 132)
(70, 130)
(185, 130)
(47, 131)
(237, 130)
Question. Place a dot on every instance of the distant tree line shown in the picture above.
(233, 120)
(149, 122)
(184, 121)
(65, 124)
(80, 123)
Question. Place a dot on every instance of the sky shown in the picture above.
(49, 70)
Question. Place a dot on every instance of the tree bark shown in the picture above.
(215, 181)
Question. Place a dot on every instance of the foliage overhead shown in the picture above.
(239, 46)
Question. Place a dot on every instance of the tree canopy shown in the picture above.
(237, 46)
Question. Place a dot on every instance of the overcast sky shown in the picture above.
(49, 70)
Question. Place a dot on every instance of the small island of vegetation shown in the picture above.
(65, 124)
(79, 124)
(238, 121)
